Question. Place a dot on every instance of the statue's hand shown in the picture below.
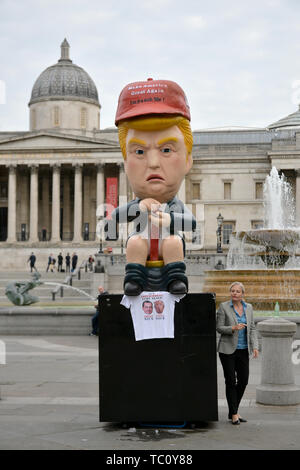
(160, 219)
(149, 205)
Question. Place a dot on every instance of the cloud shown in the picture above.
(91, 17)
(195, 22)
(252, 36)
(231, 58)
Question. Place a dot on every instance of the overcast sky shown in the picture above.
(238, 61)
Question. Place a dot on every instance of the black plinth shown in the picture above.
(158, 380)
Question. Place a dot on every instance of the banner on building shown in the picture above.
(111, 195)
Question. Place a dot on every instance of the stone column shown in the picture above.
(100, 191)
(122, 182)
(45, 204)
(78, 204)
(12, 204)
(55, 233)
(86, 201)
(297, 197)
(33, 221)
(67, 207)
(277, 376)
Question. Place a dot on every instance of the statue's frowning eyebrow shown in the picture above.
(137, 141)
(167, 139)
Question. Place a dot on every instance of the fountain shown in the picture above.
(265, 260)
(18, 291)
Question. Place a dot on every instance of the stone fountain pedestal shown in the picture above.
(277, 376)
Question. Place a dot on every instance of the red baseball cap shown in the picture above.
(152, 97)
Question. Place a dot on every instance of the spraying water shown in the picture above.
(274, 245)
(279, 204)
(69, 287)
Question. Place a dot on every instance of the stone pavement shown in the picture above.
(49, 400)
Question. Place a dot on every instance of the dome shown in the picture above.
(64, 81)
(292, 120)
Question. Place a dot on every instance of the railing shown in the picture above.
(89, 236)
(22, 236)
(196, 264)
(67, 281)
(44, 236)
(67, 236)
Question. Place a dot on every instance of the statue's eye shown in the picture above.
(139, 151)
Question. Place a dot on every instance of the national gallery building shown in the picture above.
(54, 176)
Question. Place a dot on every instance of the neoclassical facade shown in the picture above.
(54, 176)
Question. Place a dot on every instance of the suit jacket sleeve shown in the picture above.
(253, 332)
(181, 218)
(221, 320)
(121, 214)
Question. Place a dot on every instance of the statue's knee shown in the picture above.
(172, 243)
(135, 242)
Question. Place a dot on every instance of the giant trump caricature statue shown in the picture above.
(153, 120)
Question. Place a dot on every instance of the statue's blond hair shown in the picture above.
(156, 123)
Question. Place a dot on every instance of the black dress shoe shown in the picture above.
(242, 420)
(132, 288)
(236, 422)
(177, 288)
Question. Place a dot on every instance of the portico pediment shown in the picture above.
(47, 140)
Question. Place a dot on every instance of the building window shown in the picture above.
(256, 224)
(227, 190)
(228, 228)
(195, 190)
(83, 116)
(259, 189)
(3, 189)
(56, 116)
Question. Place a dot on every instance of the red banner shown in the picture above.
(111, 195)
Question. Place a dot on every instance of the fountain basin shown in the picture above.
(264, 287)
(274, 239)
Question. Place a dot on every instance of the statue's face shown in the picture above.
(156, 162)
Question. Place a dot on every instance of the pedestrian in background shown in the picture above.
(32, 260)
(68, 262)
(52, 264)
(49, 262)
(91, 263)
(74, 261)
(59, 262)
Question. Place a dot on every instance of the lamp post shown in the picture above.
(101, 235)
(219, 233)
(100, 247)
